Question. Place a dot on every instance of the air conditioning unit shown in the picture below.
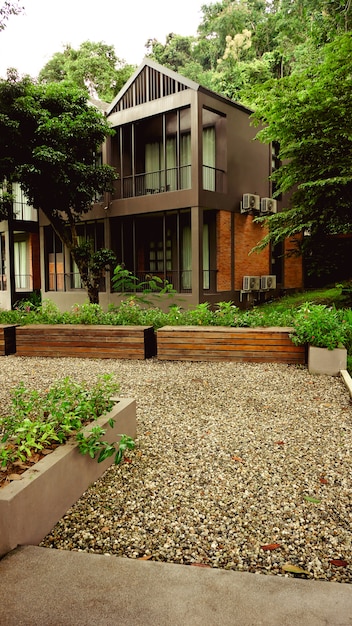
(268, 205)
(250, 202)
(268, 282)
(251, 283)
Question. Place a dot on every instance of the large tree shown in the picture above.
(49, 136)
(94, 66)
(310, 115)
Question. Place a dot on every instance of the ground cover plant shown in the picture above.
(38, 422)
(331, 303)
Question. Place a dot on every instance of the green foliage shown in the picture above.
(37, 421)
(94, 66)
(320, 326)
(49, 134)
(309, 114)
(124, 281)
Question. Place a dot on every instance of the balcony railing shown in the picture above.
(213, 179)
(181, 281)
(159, 181)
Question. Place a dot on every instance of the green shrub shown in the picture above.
(320, 326)
(40, 420)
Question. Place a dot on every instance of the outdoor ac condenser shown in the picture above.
(268, 282)
(251, 283)
(268, 206)
(250, 202)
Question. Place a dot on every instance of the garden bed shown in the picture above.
(86, 341)
(33, 504)
(7, 339)
(219, 343)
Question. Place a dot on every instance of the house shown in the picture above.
(19, 252)
(191, 182)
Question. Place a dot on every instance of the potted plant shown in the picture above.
(325, 331)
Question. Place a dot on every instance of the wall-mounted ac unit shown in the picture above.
(268, 205)
(250, 202)
(268, 282)
(251, 283)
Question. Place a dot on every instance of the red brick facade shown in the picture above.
(223, 250)
(247, 234)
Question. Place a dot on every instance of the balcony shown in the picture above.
(159, 181)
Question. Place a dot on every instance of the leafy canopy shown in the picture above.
(49, 136)
(310, 115)
(94, 66)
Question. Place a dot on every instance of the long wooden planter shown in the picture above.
(7, 339)
(31, 506)
(220, 343)
(101, 342)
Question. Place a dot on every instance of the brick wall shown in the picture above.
(247, 235)
(223, 250)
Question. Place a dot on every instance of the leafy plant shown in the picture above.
(125, 282)
(38, 421)
(320, 326)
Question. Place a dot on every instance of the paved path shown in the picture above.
(44, 587)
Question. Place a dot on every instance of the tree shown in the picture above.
(6, 10)
(94, 66)
(310, 114)
(49, 135)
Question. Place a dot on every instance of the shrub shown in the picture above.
(320, 326)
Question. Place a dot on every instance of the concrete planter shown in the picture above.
(324, 361)
(31, 506)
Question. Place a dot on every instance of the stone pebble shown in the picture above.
(230, 459)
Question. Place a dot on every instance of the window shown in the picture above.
(21, 208)
(23, 277)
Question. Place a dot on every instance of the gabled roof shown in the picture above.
(151, 81)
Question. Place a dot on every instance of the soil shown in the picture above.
(13, 471)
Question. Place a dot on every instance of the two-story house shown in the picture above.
(19, 252)
(191, 182)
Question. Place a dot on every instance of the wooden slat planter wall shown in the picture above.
(100, 342)
(219, 343)
(7, 339)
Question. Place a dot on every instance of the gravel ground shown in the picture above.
(231, 459)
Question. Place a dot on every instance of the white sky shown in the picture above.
(30, 40)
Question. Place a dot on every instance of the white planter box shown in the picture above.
(31, 506)
(324, 361)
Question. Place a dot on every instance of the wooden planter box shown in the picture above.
(31, 506)
(221, 343)
(7, 339)
(84, 341)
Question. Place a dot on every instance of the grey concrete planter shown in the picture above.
(31, 506)
(324, 361)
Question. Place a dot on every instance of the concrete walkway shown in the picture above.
(43, 587)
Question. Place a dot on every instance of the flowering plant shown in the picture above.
(320, 326)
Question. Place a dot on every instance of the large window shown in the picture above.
(154, 154)
(214, 142)
(61, 271)
(22, 264)
(161, 244)
(21, 208)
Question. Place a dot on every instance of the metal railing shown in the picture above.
(159, 181)
(213, 179)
